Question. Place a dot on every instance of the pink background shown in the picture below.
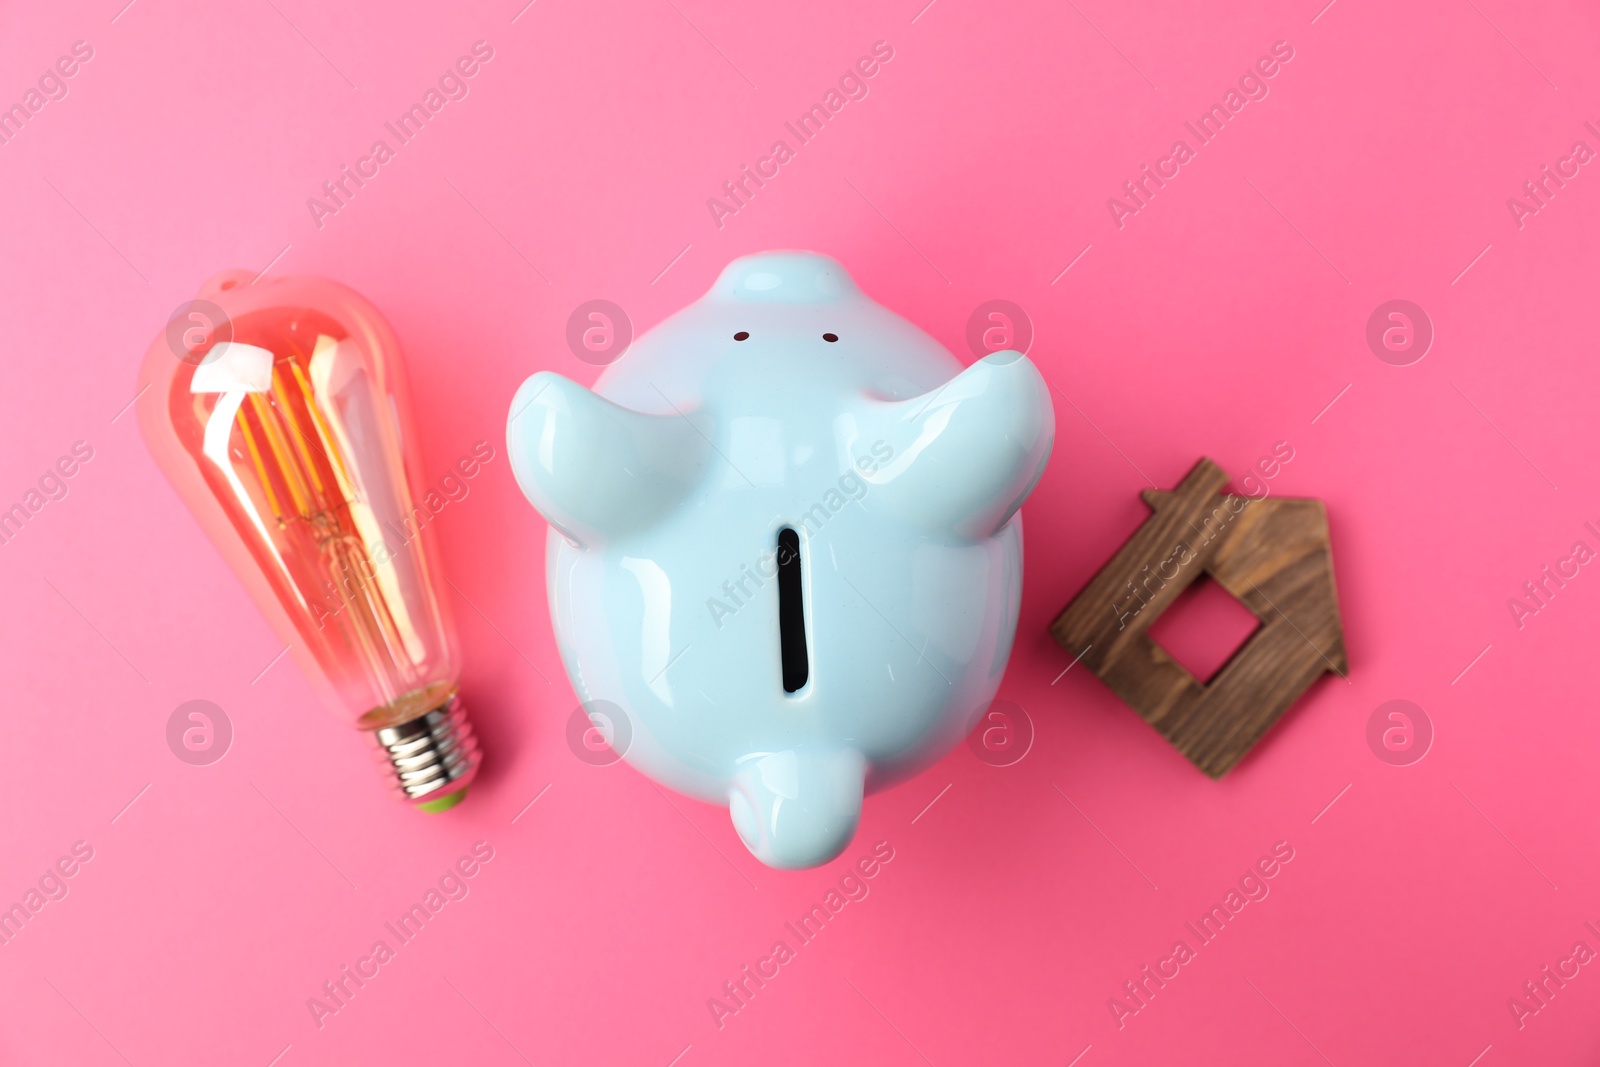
(1224, 317)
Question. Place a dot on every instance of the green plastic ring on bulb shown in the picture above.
(446, 802)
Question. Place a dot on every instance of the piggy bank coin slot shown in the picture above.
(791, 613)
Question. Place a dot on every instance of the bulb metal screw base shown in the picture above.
(433, 755)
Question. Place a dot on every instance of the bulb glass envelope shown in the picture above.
(279, 412)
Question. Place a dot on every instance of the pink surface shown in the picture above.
(1228, 314)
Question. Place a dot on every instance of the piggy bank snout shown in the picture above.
(797, 809)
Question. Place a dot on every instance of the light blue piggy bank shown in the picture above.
(785, 544)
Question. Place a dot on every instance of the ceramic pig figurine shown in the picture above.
(785, 544)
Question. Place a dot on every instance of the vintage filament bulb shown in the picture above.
(279, 412)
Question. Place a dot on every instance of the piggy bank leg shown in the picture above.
(800, 808)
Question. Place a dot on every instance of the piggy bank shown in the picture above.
(785, 554)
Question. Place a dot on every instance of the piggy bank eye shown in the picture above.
(742, 335)
(830, 337)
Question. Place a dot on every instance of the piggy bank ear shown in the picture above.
(966, 455)
(593, 469)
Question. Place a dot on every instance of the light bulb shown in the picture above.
(279, 412)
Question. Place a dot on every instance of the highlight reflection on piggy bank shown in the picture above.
(785, 543)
